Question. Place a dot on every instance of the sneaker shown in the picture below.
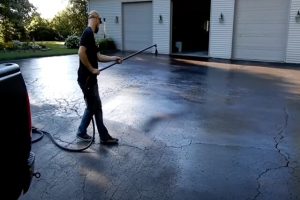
(110, 140)
(84, 137)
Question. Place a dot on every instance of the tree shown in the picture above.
(40, 29)
(14, 14)
(78, 14)
(62, 24)
(72, 20)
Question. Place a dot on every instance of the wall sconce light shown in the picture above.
(297, 17)
(116, 19)
(160, 20)
(221, 18)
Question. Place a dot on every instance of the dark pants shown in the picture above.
(93, 107)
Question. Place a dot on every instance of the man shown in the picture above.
(87, 80)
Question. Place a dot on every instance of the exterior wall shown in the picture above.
(293, 44)
(221, 33)
(162, 31)
(109, 9)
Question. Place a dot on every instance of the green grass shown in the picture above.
(53, 49)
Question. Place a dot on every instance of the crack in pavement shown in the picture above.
(278, 139)
(132, 146)
(68, 105)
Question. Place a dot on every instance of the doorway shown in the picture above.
(190, 27)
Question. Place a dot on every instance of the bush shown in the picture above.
(106, 45)
(72, 42)
(43, 34)
(9, 46)
(2, 45)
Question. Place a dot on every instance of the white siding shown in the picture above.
(161, 31)
(220, 42)
(109, 9)
(293, 44)
(221, 34)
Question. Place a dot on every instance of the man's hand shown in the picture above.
(95, 71)
(118, 59)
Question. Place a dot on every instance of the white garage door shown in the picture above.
(137, 25)
(260, 31)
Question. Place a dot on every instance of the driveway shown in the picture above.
(187, 129)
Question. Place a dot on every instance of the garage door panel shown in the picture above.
(260, 30)
(261, 4)
(252, 18)
(259, 55)
(244, 47)
(137, 25)
(270, 44)
(264, 30)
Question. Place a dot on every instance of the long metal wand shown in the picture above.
(131, 55)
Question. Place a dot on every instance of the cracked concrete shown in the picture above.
(187, 129)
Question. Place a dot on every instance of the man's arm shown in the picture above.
(84, 59)
(105, 58)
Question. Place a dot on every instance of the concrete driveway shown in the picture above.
(187, 130)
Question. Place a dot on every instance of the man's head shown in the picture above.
(94, 20)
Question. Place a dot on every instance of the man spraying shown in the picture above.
(87, 80)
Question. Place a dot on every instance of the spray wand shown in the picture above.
(131, 55)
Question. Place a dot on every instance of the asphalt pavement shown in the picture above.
(187, 129)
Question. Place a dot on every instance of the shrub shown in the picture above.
(72, 42)
(106, 45)
(2, 45)
(9, 46)
(43, 34)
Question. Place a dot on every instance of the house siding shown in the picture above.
(110, 9)
(221, 34)
(293, 44)
(161, 31)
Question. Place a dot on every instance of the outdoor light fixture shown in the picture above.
(297, 17)
(221, 18)
(116, 19)
(160, 20)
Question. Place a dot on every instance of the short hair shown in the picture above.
(93, 14)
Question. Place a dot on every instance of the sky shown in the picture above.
(48, 9)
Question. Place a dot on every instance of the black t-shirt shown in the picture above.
(88, 41)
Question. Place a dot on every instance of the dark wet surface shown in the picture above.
(187, 130)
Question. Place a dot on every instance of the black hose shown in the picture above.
(42, 133)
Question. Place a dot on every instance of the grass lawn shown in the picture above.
(53, 48)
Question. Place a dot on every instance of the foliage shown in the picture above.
(20, 21)
(2, 45)
(40, 30)
(72, 20)
(78, 15)
(17, 45)
(106, 45)
(14, 14)
(72, 42)
(50, 49)
(62, 24)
